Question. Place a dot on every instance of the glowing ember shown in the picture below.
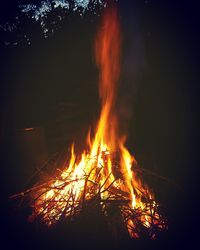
(104, 172)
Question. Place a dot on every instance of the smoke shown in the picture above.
(133, 60)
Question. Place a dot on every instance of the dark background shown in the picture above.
(53, 84)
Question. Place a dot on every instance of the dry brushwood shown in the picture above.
(50, 201)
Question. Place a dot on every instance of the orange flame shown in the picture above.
(95, 173)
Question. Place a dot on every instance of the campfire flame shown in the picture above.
(105, 171)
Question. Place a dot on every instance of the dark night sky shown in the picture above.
(158, 101)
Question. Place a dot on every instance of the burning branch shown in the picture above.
(51, 203)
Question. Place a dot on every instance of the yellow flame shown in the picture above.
(96, 166)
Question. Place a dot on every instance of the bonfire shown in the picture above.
(105, 174)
